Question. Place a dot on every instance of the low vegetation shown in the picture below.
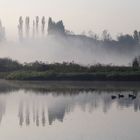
(13, 70)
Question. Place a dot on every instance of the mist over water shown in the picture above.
(59, 49)
(35, 43)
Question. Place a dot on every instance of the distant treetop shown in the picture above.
(55, 28)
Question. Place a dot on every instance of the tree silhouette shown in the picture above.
(106, 36)
(43, 25)
(2, 32)
(20, 28)
(135, 63)
(136, 36)
(27, 26)
(56, 28)
(127, 40)
(33, 29)
(37, 24)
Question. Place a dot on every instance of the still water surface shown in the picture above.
(31, 113)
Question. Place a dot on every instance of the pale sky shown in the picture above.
(78, 15)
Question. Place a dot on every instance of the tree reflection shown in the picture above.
(43, 117)
(20, 114)
(56, 112)
(2, 108)
(54, 107)
(27, 115)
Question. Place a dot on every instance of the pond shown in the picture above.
(69, 111)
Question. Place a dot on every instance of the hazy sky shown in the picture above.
(78, 15)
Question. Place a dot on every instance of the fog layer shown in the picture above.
(62, 45)
(59, 49)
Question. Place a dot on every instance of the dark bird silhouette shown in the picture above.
(121, 96)
(132, 96)
(113, 97)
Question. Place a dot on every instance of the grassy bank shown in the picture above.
(13, 70)
(96, 76)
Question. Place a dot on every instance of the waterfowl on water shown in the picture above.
(132, 96)
(121, 96)
(113, 97)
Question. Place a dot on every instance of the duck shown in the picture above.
(132, 96)
(121, 96)
(113, 97)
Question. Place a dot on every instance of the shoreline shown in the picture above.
(47, 76)
(71, 86)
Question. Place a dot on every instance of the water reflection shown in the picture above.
(53, 107)
(45, 106)
(20, 115)
(56, 111)
(2, 108)
(30, 113)
(64, 111)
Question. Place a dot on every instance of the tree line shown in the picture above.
(36, 25)
(9, 65)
